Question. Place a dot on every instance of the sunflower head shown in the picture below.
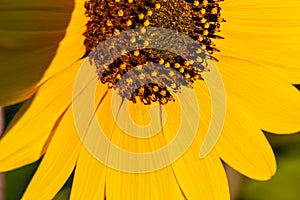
(200, 20)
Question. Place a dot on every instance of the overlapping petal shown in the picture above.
(195, 175)
(26, 138)
(270, 100)
(58, 162)
(36, 36)
(264, 32)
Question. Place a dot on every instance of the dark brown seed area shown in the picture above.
(199, 20)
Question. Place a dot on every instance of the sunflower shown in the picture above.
(255, 45)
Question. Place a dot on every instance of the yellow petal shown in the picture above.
(263, 32)
(58, 162)
(273, 12)
(88, 168)
(272, 101)
(89, 179)
(198, 178)
(25, 139)
(243, 145)
(19, 74)
(119, 184)
(136, 143)
(160, 184)
(116, 135)
(33, 24)
(67, 52)
(32, 38)
(201, 178)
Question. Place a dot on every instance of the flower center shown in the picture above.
(200, 20)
